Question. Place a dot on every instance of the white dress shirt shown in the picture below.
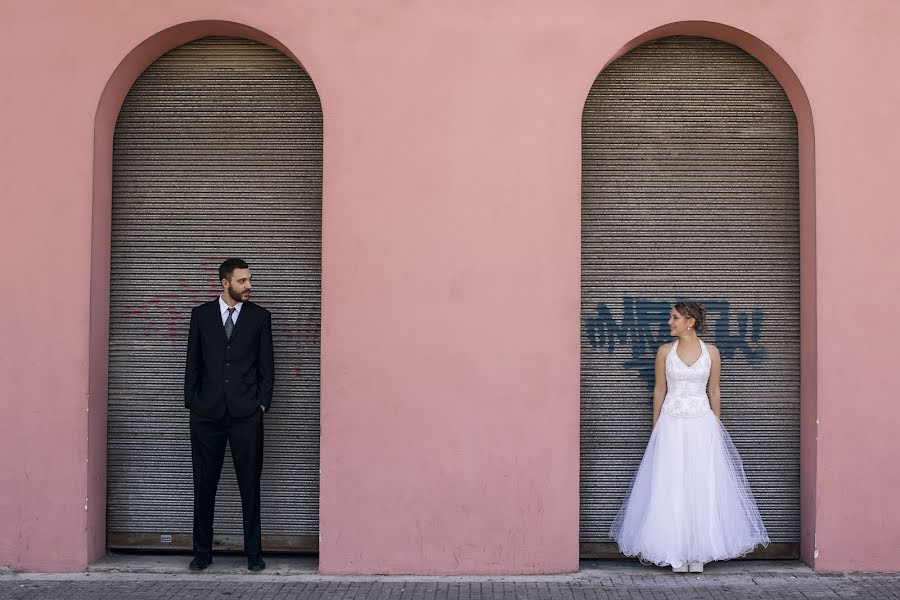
(223, 308)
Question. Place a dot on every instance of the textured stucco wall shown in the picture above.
(450, 339)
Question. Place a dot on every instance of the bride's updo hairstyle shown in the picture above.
(693, 310)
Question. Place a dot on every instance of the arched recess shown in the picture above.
(805, 199)
(278, 157)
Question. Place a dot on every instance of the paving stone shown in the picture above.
(165, 577)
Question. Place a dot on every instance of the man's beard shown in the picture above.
(234, 295)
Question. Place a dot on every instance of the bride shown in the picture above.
(690, 502)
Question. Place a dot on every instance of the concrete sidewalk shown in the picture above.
(166, 577)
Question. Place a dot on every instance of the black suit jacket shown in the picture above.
(238, 373)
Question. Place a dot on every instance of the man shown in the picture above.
(228, 382)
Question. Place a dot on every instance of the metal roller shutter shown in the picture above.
(690, 191)
(217, 153)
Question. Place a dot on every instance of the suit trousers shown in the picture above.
(208, 439)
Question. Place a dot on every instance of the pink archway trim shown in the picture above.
(792, 86)
(111, 99)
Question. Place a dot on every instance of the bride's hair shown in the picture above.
(693, 310)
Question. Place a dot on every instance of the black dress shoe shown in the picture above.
(256, 563)
(200, 562)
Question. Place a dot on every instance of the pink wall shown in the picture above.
(450, 348)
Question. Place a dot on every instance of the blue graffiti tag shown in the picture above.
(644, 327)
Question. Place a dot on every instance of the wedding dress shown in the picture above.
(690, 501)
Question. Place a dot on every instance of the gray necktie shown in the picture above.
(229, 323)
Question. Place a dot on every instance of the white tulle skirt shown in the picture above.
(690, 501)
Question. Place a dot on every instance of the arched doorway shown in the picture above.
(690, 190)
(217, 152)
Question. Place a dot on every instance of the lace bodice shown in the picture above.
(686, 385)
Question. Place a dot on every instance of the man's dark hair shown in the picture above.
(228, 267)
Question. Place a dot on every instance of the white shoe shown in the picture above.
(682, 569)
(695, 567)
